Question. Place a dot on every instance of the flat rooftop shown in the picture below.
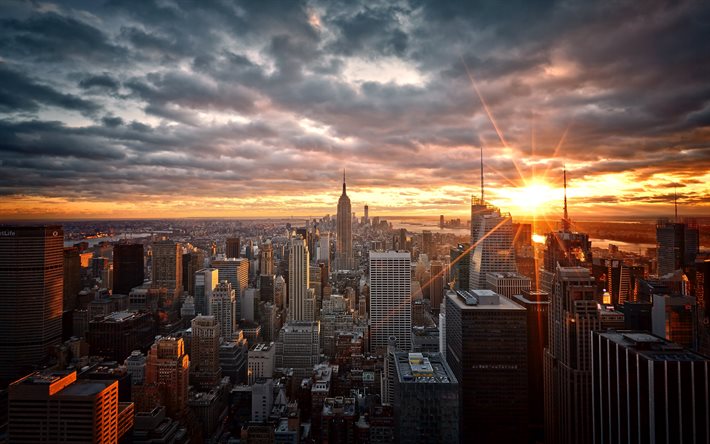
(428, 368)
(651, 347)
(481, 300)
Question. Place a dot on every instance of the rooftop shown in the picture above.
(481, 300)
(651, 347)
(507, 275)
(429, 368)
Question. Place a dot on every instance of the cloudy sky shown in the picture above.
(218, 108)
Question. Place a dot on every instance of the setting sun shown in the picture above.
(532, 199)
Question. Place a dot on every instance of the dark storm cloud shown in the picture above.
(255, 94)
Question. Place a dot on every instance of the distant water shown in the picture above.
(95, 241)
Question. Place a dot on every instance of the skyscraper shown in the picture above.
(366, 218)
(223, 306)
(191, 262)
(677, 244)
(233, 247)
(236, 271)
(266, 259)
(436, 285)
(72, 277)
(166, 269)
(205, 281)
(390, 294)
(427, 244)
(31, 293)
(128, 267)
(344, 246)
(298, 347)
(426, 399)
(205, 371)
(492, 240)
(298, 279)
(574, 314)
(646, 389)
(486, 348)
(58, 408)
(167, 369)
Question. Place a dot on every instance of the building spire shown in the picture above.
(565, 217)
(482, 195)
(675, 202)
(343, 180)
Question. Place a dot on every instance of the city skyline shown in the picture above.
(112, 112)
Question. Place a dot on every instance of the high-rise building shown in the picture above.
(507, 284)
(298, 347)
(574, 314)
(205, 282)
(116, 335)
(646, 389)
(233, 247)
(72, 278)
(426, 399)
(191, 263)
(236, 271)
(58, 408)
(677, 245)
(486, 348)
(166, 268)
(205, 371)
(675, 318)
(260, 362)
(324, 248)
(31, 293)
(702, 296)
(267, 287)
(492, 240)
(128, 267)
(460, 259)
(298, 279)
(135, 366)
(266, 259)
(167, 369)
(402, 243)
(344, 246)
(427, 244)
(436, 285)
(223, 306)
(537, 306)
(366, 218)
(390, 299)
(262, 399)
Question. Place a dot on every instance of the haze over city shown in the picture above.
(180, 109)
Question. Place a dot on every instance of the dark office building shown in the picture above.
(266, 287)
(616, 280)
(233, 247)
(31, 293)
(702, 295)
(677, 245)
(117, 335)
(486, 348)
(646, 389)
(191, 262)
(72, 277)
(460, 264)
(537, 305)
(574, 314)
(637, 315)
(426, 399)
(128, 267)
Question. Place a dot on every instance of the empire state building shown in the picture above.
(344, 247)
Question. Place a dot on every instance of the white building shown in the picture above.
(206, 280)
(492, 243)
(390, 305)
(224, 308)
(261, 361)
(507, 284)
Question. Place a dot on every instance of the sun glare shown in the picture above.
(532, 199)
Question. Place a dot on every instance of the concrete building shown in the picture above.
(31, 277)
(507, 284)
(58, 408)
(224, 308)
(128, 267)
(648, 390)
(675, 318)
(206, 280)
(167, 372)
(166, 266)
(344, 234)
(677, 245)
(426, 399)
(205, 371)
(262, 399)
(390, 305)
(266, 259)
(298, 347)
(115, 336)
(486, 347)
(236, 272)
(232, 248)
(261, 361)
